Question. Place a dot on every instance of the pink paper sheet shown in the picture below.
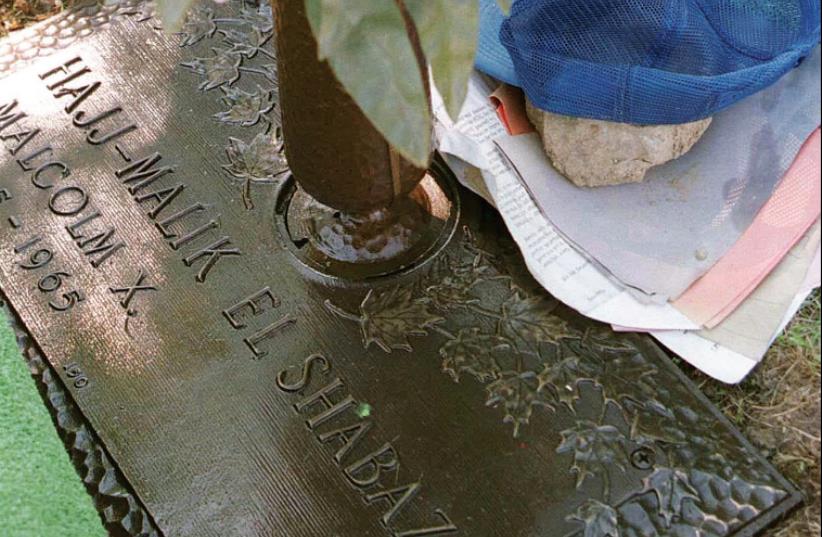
(509, 102)
(785, 218)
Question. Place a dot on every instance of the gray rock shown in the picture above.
(598, 153)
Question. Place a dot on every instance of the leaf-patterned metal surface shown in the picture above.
(259, 160)
(528, 321)
(600, 520)
(598, 450)
(198, 26)
(388, 318)
(533, 362)
(236, 42)
(245, 108)
(220, 69)
(672, 489)
(472, 352)
(519, 395)
(564, 378)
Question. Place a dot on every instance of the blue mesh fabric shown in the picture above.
(645, 61)
(492, 56)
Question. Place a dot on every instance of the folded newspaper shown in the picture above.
(728, 351)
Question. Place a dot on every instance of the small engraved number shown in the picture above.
(26, 245)
(52, 282)
(49, 283)
(38, 259)
(70, 299)
(78, 378)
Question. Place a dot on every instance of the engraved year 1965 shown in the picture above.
(52, 282)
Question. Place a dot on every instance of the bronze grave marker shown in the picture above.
(211, 377)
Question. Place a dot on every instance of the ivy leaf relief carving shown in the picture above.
(142, 12)
(223, 68)
(245, 109)
(627, 378)
(672, 488)
(260, 160)
(519, 394)
(246, 43)
(258, 17)
(199, 25)
(530, 319)
(600, 520)
(596, 448)
(601, 339)
(453, 283)
(564, 378)
(267, 71)
(472, 352)
(389, 317)
(653, 423)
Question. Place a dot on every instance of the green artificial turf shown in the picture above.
(41, 495)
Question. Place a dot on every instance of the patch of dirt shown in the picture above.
(16, 14)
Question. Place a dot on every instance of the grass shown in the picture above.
(804, 331)
(16, 14)
(40, 493)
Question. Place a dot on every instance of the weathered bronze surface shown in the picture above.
(210, 380)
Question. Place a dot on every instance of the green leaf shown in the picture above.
(505, 5)
(448, 30)
(366, 43)
(173, 13)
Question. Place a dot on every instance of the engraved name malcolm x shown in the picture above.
(187, 225)
(328, 406)
(129, 292)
